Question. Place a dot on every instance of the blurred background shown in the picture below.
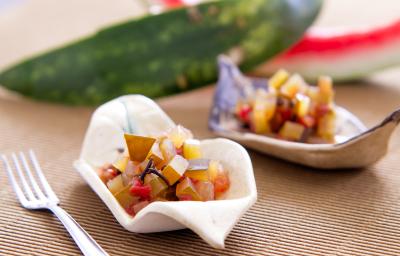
(31, 26)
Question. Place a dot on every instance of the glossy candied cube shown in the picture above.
(168, 149)
(308, 121)
(264, 107)
(156, 184)
(115, 185)
(198, 169)
(326, 126)
(214, 168)
(302, 106)
(125, 198)
(221, 183)
(185, 190)
(325, 90)
(205, 189)
(243, 112)
(175, 169)
(278, 79)
(121, 163)
(140, 190)
(178, 135)
(292, 86)
(191, 149)
(138, 146)
(292, 131)
(156, 154)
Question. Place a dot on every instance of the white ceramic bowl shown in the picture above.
(211, 220)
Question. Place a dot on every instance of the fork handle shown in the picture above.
(85, 242)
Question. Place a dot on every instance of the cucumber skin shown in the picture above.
(162, 54)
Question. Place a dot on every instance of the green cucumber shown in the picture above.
(162, 54)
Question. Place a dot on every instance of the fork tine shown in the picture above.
(13, 181)
(49, 191)
(25, 185)
(35, 186)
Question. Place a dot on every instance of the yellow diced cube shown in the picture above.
(292, 131)
(292, 86)
(197, 175)
(326, 93)
(155, 154)
(121, 163)
(125, 198)
(327, 126)
(156, 183)
(175, 169)
(214, 168)
(186, 188)
(115, 185)
(191, 149)
(167, 149)
(179, 134)
(138, 146)
(264, 107)
(302, 106)
(277, 80)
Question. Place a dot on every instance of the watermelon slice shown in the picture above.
(341, 54)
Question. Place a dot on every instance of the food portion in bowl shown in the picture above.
(289, 109)
(169, 167)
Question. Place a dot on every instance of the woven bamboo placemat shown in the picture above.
(300, 211)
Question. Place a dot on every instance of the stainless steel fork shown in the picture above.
(34, 196)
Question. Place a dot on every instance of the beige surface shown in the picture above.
(300, 211)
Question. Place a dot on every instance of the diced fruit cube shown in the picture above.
(292, 131)
(121, 163)
(322, 109)
(156, 184)
(205, 189)
(197, 175)
(302, 106)
(191, 149)
(175, 169)
(185, 190)
(292, 86)
(167, 149)
(140, 190)
(244, 112)
(131, 170)
(198, 169)
(138, 146)
(156, 154)
(115, 185)
(326, 93)
(221, 183)
(139, 206)
(178, 135)
(278, 79)
(125, 198)
(214, 168)
(326, 126)
(107, 172)
(264, 107)
(308, 121)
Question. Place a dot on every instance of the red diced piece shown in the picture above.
(244, 113)
(140, 190)
(322, 109)
(221, 183)
(286, 114)
(185, 198)
(308, 121)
